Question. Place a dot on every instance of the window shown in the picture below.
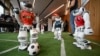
(1, 10)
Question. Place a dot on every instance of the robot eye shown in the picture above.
(32, 46)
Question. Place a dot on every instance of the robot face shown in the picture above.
(33, 49)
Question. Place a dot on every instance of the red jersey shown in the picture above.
(26, 17)
(79, 21)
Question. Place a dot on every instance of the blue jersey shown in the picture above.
(58, 24)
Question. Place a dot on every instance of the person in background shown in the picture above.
(16, 26)
(2, 29)
(71, 6)
(42, 28)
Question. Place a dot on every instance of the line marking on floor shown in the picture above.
(63, 52)
(8, 50)
(9, 40)
(96, 43)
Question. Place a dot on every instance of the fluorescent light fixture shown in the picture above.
(54, 10)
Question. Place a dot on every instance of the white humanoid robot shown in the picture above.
(42, 28)
(57, 27)
(82, 28)
(25, 18)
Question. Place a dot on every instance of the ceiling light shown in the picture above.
(54, 10)
(33, 3)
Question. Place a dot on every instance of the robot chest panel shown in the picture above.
(79, 21)
(26, 15)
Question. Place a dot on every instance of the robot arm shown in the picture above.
(37, 23)
(86, 19)
(88, 30)
(53, 27)
(16, 11)
(75, 24)
(62, 25)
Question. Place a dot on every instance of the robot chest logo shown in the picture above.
(27, 17)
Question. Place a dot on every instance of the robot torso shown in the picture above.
(79, 21)
(26, 17)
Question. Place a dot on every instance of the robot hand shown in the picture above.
(16, 10)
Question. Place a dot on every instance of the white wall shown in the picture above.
(49, 24)
(1, 10)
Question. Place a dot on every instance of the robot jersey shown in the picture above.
(57, 24)
(79, 21)
(26, 17)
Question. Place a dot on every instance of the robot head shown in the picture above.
(55, 15)
(26, 5)
(79, 11)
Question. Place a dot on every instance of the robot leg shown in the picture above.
(22, 38)
(83, 43)
(42, 31)
(33, 35)
(75, 37)
(59, 35)
(55, 34)
(75, 34)
(80, 39)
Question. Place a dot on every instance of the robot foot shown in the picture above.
(89, 41)
(89, 48)
(82, 47)
(78, 45)
(55, 37)
(75, 43)
(59, 38)
(22, 47)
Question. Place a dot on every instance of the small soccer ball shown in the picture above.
(33, 49)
